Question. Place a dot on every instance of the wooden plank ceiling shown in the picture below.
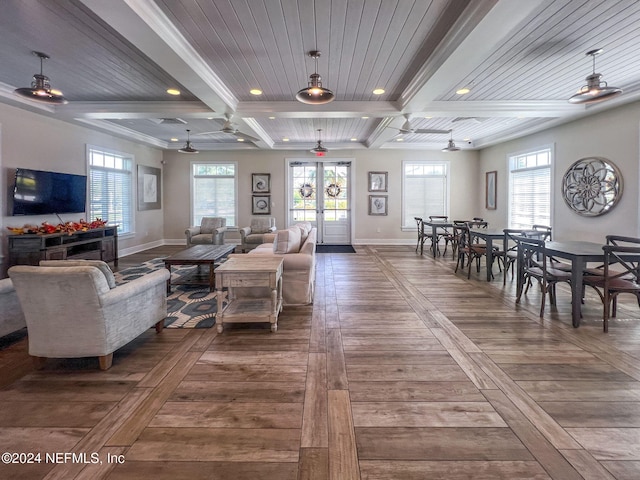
(522, 60)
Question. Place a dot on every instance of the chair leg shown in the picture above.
(105, 361)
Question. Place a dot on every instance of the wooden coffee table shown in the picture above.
(199, 255)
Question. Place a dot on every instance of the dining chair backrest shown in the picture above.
(478, 219)
(477, 224)
(543, 232)
(624, 251)
(438, 218)
(419, 224)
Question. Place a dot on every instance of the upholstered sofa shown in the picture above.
(74, 308)
(209, 232)
(260, 231)
(297, 245)
(11, 316)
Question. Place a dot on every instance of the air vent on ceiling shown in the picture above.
(168, 121)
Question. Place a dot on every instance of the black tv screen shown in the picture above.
(37, 192)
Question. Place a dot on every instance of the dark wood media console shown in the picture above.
(97, 243)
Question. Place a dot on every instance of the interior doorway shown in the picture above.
(320, 193)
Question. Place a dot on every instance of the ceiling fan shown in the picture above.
(229, 128)
(406, 129)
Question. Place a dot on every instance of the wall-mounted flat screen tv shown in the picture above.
(37, 192)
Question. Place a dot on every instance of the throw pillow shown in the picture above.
(305, 228)
(102, 266)
(287, 241)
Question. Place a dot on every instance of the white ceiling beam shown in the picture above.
(144, 24)
(334, 109)
(446, 69)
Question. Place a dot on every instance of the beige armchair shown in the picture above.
(77, 310)
(209, 232)
(260, 231)
(11, 316)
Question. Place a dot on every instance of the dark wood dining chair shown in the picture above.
(533, 260)
(468, 250)
(620, 274)
(509, 252)
(421, 235)
(442, 233)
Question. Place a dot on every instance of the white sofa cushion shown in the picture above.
(102, 266)
(305, 228)
(287, 241)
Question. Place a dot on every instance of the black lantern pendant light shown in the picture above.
(315, 93)
(187, 147)
(40, 89)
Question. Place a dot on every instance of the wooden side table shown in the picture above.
(249, 271)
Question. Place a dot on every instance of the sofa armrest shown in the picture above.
(244, 231)
(190, 232)
(6, 286)
(134, 287)
(298, 261)
(219, 230)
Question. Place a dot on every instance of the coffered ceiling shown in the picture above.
(522, 60)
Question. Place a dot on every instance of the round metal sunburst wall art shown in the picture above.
(592, 186)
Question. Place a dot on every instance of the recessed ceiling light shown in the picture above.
(463, 91)
(240, 139)
(428, 117)
(399, 139)
(364, 118)
(272, 118)
(378, 91)
(285, 139)
(173, 91)
(255, 91)
(174, 139)
(354, 139)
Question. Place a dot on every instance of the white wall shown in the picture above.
(613, 134)
(464, 187)
(30, 140)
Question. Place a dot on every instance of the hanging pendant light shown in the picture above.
(187, 146)
(595, 90)
(320, 150)
(40, 89)
(451, 147)
(315, 93)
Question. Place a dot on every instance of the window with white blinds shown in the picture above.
(214, 192)
(530, 189)
(424, 191)
(111, 188)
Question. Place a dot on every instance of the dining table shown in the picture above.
(435, 225)
(579, 253)
(488, 236)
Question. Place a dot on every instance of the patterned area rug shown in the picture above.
(188, 306)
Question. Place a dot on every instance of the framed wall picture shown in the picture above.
(378, 205)
(378, 181)
(261, 182)
(261, 205)
(149, 188)
(491, 190)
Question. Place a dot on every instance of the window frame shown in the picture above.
(409, 224)
(130, 159)
(551, 166)
(192, 179)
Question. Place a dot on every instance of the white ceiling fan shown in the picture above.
(406, 129)
(229, 128)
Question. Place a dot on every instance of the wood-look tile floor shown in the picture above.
(399, 370)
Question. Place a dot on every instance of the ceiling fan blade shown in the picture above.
(432, 131)
(216, 132)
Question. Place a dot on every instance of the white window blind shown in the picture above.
(111, 189)
(424, 191)
(214, 192)
(530, 189)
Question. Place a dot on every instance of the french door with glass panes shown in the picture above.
(320, 193)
